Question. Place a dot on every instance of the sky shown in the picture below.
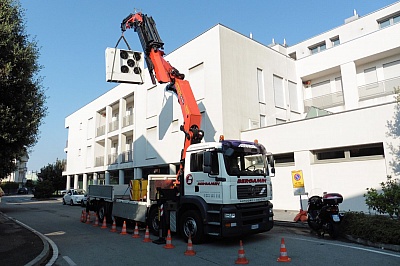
(73, 34)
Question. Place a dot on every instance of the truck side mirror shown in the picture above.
(207, 162)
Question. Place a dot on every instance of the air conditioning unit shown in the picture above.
(124, 66)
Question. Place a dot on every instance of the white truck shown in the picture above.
(222, 189)
(226, 192)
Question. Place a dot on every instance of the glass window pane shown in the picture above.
(384, 23)
(322, 47)
(396, 19)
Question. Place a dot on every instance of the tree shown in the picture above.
(22, 101)
(394, 132)
(53, 174)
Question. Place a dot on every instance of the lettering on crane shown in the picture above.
(249, 146)
(208, 183)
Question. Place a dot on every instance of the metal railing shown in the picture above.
(113, 126)
(127, 120)
(378, 89)
(112, 158)
(100, 131)
(325, 101)
(127, 156)
(99, 161)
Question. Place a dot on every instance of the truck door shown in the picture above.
(201, 180)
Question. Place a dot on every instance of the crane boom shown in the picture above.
(162, 71)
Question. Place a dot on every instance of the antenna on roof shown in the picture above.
(354, 12)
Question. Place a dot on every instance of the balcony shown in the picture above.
(325, 101)
(127, 157)
(112, 158)
(378, 89)
(113, 126)
(100, 131)
(127, 121)
(99, 161)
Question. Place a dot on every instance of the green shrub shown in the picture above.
(386, 202)
(375, 228)
(44, 189)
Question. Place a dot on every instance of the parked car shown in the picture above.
(84, 200)
(22, 190)
(74, 196)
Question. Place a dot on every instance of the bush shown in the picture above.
(44, 189)
(386, 202)
(375, 228)
(9, 187)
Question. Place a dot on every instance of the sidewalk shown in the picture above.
(20, 245)
(285, 218)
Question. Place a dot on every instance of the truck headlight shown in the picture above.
(230, 215)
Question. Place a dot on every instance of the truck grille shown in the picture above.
(248, 191)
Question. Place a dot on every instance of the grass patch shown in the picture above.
(375, 228)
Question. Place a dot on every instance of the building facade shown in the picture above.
(321, 106)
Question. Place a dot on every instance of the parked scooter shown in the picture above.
(323, 214)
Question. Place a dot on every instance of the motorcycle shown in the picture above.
(323, 214)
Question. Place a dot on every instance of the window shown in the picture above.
(370, 150)
(263, 121)
(389, 21)
(335, 41)
(317, 48)
(391, 70)
(279, 93)
(293, 98)
(370, 75)
(366, 151)
(284, 158)
(260, 84)
(196, 162)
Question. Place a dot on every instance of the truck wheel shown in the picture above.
(152, 221)
(101, 212)
(191, 224)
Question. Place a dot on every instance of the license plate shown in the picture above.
(335, 218)
(254, 226)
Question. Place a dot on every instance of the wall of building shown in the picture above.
(348, 176)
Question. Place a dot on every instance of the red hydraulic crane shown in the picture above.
(163, 72)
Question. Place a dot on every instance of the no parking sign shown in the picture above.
(298, 182)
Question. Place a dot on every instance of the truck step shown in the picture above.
(214, 223)
(213, 234)
(213, 211)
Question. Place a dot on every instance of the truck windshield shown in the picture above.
(244, 164)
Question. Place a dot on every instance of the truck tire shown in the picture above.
(101, 212)
(191, 223)
(152, 221)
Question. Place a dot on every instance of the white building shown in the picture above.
(321, 106)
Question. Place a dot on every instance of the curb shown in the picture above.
(47, 242)
(372, 244)
(291, 224)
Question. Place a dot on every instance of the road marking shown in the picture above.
(347, 246)
(69, 261)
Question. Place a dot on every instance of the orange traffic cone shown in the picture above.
(123, 232)
(147, 235)
(283, 256)
(96, 221)
(169, 241)
(104, 225)
(113, 227)
(241, 255)
(189, 250)
(136, 232)
(82, 217)
(88, 217)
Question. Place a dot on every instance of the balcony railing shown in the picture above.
(113, 158)
(378, 89)
(99, 161)
(127, 157)
(113, 126)
(100, 131)
(325, 101)
(127, 121)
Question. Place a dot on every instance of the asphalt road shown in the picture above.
(84, 244)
